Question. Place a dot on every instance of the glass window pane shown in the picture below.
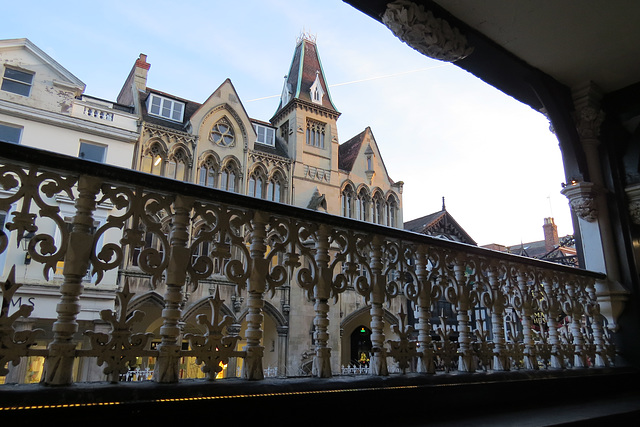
(16, 87)
(166, 108)
(20, 76)
(177, 111)
(10, 133)
(92, 152)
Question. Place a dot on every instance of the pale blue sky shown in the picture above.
(440, 130)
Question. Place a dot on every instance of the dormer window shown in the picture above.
(316, 91)
(166, 108)
(266, 135)
(17, 81)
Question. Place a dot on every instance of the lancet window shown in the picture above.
(275, 187)
(315, 133)
(256, 183)
(153, 159)
(208, 172)
(362, 205)
(177, 165)
(348, 197)
(392, 211)
(229, 176)
(378, 206)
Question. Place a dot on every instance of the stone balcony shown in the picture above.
(542, 319)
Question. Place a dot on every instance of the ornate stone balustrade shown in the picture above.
(537, 315)
(98, 114)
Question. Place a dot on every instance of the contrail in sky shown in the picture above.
(363, 80)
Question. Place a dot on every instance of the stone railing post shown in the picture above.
(553, 311)
(425, 361)
(466, 361)
(596, 326)
(168, 363)
(575, 311)
(321, 294)
(500, 359)
(526, 319)
(58, 366)
(252, 368)
(378, 362)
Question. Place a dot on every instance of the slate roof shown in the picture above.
(302, 74)
(438, 224)
(348, 151)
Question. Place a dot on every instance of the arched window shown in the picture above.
(177, 165)
(362, 205)
(275, 188)
(229, 176)
(208, 172)
(153, 159)
(378, 208)
(256, 183)
(348, 196)
(392, 211)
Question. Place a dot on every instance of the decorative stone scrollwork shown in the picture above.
(633, 197)
(13, 344)
(582, 200)
(431, 36)
(588, 121)
(120, 347)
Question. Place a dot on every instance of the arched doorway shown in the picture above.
(360, 346)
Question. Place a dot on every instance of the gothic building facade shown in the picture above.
(295, 158)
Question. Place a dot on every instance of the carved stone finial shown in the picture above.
(431, 36)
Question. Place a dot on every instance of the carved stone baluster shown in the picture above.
(58, 366)
(321, 294)
(425, 361)
(526, 318)
(378, 362)
(252, 367)
(465, 361)
(553, 311)
(576, 328)
(596, 325)
(168, 363)
(500, 357)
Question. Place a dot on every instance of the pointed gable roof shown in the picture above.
(348, 151)
(439, 224)
(304, 70)
(66, 77)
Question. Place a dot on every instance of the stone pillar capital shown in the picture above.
(633, 200)
(582, 199)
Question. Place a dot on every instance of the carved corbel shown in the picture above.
(431, 36)
(588, 122)
(633, 198)
(582, 200)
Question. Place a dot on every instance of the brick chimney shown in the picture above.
(136, 81)
(141, 69)
(551, 239)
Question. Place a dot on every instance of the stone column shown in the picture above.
(588, 202)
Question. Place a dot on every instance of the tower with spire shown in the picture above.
(306, 119)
